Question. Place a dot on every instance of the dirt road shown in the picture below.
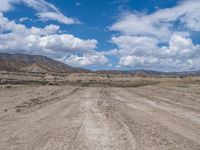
(98, 118)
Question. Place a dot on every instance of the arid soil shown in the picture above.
(153, 117)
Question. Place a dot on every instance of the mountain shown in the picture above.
(43, 64)
(150, 72)
(153, 72)
(34, 63)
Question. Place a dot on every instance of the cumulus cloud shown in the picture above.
(159, 40)
(180, 47)
(48, 40)
(87, 59)
(135, 44)
(5, 5)
(144, 52)
(17, 38)
(138, 61)
(24, 19)
(161, 22)
(46, 11)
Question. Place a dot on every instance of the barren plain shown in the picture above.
(163, 116)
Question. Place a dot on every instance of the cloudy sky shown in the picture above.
(162, 35)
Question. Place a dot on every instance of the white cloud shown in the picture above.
(144, 52)
(159, 40)
(46, 11)
(86, 60)
(132, 60)
(47, 30)
(160, 23)
(66, 42)
(5, 5)
(18, 38)
(56, 17)
(139, 45)
(137, 24)
(180, 47)
(49, 40)
(6, 25)
(192, 21)
(24, 19)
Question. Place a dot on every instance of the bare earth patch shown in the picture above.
(151, 117)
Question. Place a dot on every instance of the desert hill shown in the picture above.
(34, 63)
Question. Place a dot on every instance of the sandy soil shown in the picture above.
(156, 117)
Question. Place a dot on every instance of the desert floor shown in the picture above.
(154, 117)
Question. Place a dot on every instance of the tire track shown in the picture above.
(123, 138)
(50, 127)
(99, 118)
(157, 123)
(94, 132)
(40, 102)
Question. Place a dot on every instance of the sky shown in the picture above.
(105, 34)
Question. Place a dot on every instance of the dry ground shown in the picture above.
(154, 117)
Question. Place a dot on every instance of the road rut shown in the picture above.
(97, 118)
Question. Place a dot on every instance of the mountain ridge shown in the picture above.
(34, 63)
(44, 64)
(143, 72)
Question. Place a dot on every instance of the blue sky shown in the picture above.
(112, 34)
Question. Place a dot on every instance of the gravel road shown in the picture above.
(157, 117)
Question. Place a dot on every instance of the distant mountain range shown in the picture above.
(38, 63)
(150, 72)
(34, 63)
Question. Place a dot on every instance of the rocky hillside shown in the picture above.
(34, 63)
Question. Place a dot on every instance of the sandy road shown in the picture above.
(97, 118)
